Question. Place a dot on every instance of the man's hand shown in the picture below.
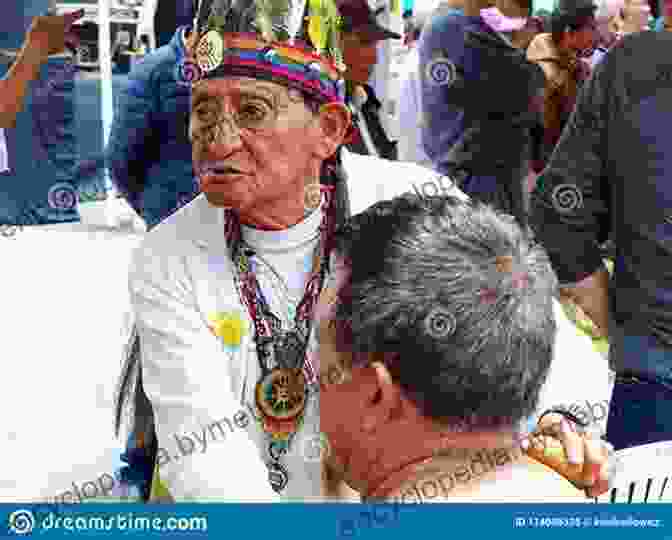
(592, 296)
(581, 459)
(50, 34)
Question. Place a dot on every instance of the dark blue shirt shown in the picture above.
(42, 151)
(442, 123)
(149, 150)
(611, 175)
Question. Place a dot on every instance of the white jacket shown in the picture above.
(182, 272)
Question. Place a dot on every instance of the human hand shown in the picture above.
(583, 460)
(592, 296)
(50, 34)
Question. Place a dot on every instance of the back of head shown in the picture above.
(459, 298)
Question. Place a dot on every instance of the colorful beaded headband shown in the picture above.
(219, 54)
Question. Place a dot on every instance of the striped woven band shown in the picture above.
(220, 54)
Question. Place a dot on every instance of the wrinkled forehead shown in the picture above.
(231, 87)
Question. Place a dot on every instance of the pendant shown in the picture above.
(277, 476)
(281, 399)
(289, 350)
(277, 449)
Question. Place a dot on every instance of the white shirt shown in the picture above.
(409, 144)
(4, 157)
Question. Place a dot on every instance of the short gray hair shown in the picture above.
(470, 342)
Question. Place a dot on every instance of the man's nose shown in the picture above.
(222, 136)
(226, 132)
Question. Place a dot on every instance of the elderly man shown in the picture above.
(224, 289)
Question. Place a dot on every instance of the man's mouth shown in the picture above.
(218, 168)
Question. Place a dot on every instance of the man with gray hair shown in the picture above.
(474, 301)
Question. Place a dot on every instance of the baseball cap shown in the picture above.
(571, 7)
(357, 16)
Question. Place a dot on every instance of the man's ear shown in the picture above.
(387, 398)
(333, 121)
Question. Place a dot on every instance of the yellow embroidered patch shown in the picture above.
(229, 326)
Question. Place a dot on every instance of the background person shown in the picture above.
(410, 93)
(562, 55)
(149, 153)
(361, 34)
(48, 35)
(588, 193)
(491, 147)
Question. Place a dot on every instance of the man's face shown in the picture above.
(253, 142)
(586, 37)
(360, 55)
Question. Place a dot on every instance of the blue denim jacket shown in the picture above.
(42, 151)
(149, 151)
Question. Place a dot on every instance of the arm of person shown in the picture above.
(570, 203)
(130, 149)
(47, 35)
(186, 378)
(14, 87)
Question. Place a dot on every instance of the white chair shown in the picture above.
(643, 474)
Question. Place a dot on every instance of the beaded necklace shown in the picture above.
(281, 393)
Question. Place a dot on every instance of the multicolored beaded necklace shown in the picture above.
(281, 393)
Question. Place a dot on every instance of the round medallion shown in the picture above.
(210, 51)
(281, 398)
(277, 476)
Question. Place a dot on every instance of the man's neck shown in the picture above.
(397, 458)
(455, 473)
(268, 221)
